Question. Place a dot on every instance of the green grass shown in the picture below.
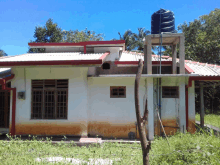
(184, 149)
(211, 119)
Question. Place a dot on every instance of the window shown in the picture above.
(170, 92)
(117, 92)
(49, 99)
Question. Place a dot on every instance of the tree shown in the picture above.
(2, 53)
(130, 40)
(202, 44)
(80, 36)
(141, 121)
(134, 41)
(52, 33)
(142, 33)
(202, 38)
(49, 33)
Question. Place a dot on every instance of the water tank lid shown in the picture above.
(162, 21)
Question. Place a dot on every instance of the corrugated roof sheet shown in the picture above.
(52, 57)
(198, 68)
(4, 69)
(202, 69)
(4, 72)
(133, 56)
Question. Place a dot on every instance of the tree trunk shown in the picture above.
(141, 120)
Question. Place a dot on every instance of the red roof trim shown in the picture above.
(72, 62)
(78, 43)
(104, 56)
(202, 78)
(136, 62)
(188, 69)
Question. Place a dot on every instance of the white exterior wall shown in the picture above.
(77, 101)
(169, 106)
(112, 117)
(64, 49)
(173, 109)
(90, 108)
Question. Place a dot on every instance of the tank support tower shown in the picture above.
(171, 39)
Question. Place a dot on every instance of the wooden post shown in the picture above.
(141, 121)
(202, 111)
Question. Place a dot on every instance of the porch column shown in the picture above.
(150, 106)
(148, 56)
(202, 111)
(182, 105)
(182, 55)
(174, 59)
(145, 59)
(191, 108)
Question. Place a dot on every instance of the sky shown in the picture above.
(18, 18)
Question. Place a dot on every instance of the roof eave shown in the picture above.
(41, 63)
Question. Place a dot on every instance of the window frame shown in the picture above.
(117, 87)
(55, 90)
(170, 96)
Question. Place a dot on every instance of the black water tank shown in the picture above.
(167, 22)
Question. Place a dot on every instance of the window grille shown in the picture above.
(170, 92)
(49, 99)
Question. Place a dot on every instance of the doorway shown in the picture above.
(4, 108)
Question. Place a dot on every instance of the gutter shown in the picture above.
(136, 62)
(144, 75)
(3, 83)
(202, 78)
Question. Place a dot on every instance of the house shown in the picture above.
(87, 89)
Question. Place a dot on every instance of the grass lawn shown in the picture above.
(211, 119)
(184, 149)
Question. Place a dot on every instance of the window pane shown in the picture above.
(118, 92)
(49, 105)
(61, 104)
(36, 105)
(50, 102)
(170, 92)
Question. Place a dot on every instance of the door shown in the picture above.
(4, 108)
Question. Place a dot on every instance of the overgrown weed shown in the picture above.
(198, 148)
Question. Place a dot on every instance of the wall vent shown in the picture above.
(21, 95)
